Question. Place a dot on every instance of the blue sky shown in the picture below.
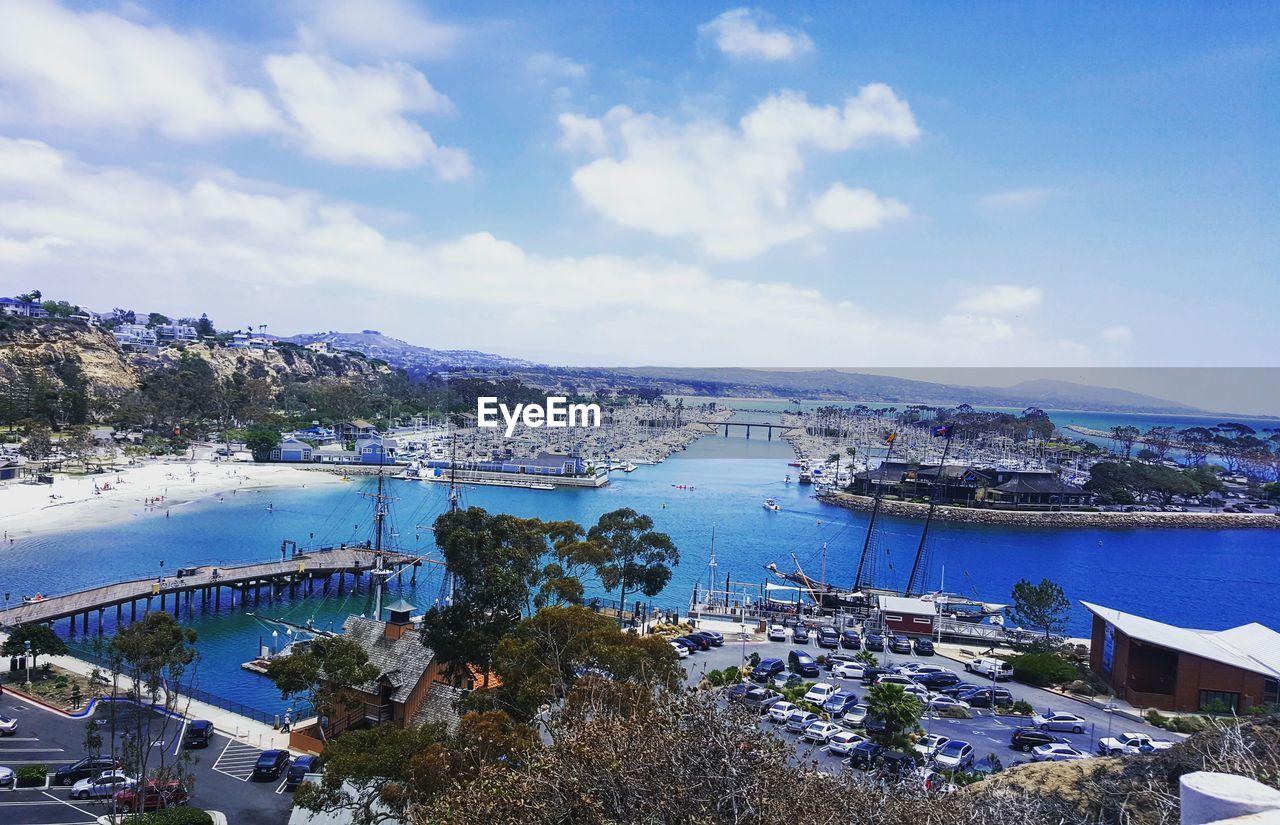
(873, 184)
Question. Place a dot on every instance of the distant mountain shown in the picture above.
(411, 358)
(1047, 392)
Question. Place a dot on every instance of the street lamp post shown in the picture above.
(26, 661)
(275, 634)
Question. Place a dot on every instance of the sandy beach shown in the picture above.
(76, 501)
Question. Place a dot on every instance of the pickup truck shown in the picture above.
(1131, 743)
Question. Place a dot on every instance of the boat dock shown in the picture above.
(303, 570)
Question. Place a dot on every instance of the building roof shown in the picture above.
(1251, 647)
(1038, 483)
(912, 607)
(439, 706)
(401, 662)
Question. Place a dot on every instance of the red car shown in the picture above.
(155, 796)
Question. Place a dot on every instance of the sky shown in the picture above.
(802, 184)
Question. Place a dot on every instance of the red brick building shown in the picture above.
(1150, 664)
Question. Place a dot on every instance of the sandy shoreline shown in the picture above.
(72, 503)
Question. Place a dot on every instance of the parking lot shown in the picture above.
(988, 732)
(48, 738)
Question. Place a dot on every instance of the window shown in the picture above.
(1271, 692)
(1219, 701)
(922, 621)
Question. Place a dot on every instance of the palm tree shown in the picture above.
(899, 711)
(836, 458)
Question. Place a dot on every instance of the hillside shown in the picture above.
(413, 359)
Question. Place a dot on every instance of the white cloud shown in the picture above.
(742, 33)
(356, 115)
(851, 210)
(376, 28)
(1119, 334)
(731, 190)
(1001, 299)
(93, 68)
(553, 66)
(223, 244)
(1010, 199)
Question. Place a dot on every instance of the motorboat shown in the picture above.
(771, 504)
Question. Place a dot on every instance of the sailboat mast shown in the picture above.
(871, 525)
(912, 589)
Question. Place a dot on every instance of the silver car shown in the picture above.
(8, 726)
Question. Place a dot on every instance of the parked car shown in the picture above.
(697, 641)
(832, 659)
(956, 690)
(874, 725)
(894, 679)
(900, 644)
(103, 786)
(936, 680)
(874, 641)
(800, 635)
(1027, 739)
(777, 633)
(799, 719)
(820, 693)
(689, 647)
(713, 638)
(761, 699)
(681, 650)
(85, 768)
(199, 734)
(838, 702)
(828, 637)
(995, 669)
(779, 711)
(894, 763)
(8, 726)
(870, 674)
(848, 670)
(1058, 752)
(841, 743)
(941, 702)
(153, 797)
(924, 647)
(7, 777)
(850, 640)
(856, 715)
(737, 691)
(1131, 743)
(914, 668)
(927, 746)
(802, 663)
(767, 669)
(1060, 721)
(298, 770)
(954, 755)
(986, 697)
(270, 764)
(864, 753)
(820, 732)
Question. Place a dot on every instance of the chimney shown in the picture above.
(398, 623)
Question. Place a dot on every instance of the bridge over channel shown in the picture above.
(759, 425)
(299, 569)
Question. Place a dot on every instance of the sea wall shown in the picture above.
(1016, 518)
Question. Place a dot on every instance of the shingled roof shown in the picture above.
(440, 706)
(400, 662)
(1038, 483)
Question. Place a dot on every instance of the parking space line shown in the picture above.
(177, 742)
(75, 808)
(280, 787)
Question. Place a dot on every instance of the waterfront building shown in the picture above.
(135, 336)
(912, 617)
(22, 309)
(1151, 664)
(973, 486)
(176, 332)
(292, 450)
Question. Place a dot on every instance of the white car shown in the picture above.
(920, 668)
(777, 633)
(8, 726)
(919, 691)
(820, 693)
(856, 715)
(102, 786)
(848, 670)
(799, 720)
(820, 732)
(682, 652)
(895, 679)
(1129, 742)
(1056, 752)
(929, 745)
(779, 711)
(6, 775)
(1060, 721)
(954, 755)
(841, 743)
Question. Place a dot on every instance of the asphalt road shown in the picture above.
(46, 737)
(987, 732)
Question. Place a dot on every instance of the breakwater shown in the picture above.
(1060, 518)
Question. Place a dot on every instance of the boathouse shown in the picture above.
(911, 617)
(1150, 664)
(292, 450)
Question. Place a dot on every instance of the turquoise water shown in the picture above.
(1198, 578)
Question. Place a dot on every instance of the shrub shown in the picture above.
(1022, 707)
(1042, 669)
(754, 658)
(1155, 717)
(176, 816)
(1187, 724)
(1081, 688)
(31, 776)
(955, 712)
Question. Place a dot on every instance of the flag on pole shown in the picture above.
(942, 431)
(889, 437)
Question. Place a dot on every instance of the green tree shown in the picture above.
(1042, 606)
(1124, 436)
(261, 441)
(44, 642)
(155, 319)
(571, 561)
(640, 560)
(78, 442)
(899, 710)
(322, 673)
(38, 444)
(204, 327)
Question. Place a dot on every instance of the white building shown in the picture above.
(134, 336)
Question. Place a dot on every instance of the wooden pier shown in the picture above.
(305, 570)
